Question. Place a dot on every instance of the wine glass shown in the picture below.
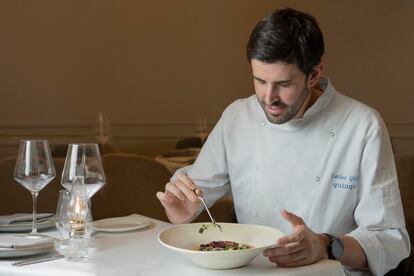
(34, 169)
(84, 161)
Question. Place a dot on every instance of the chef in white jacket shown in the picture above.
(301, 157)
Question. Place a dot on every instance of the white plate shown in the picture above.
(42, 248)
(121, 224)
(21, 227)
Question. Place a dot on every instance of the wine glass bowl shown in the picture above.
(34, 169)
(34, 183)
(84, 161)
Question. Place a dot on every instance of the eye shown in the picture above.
(285, 84)
(260, 81)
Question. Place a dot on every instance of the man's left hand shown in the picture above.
(301, 247)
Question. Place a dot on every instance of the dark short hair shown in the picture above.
(289, 36)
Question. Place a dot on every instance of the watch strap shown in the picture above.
(331, 238)
(337, 252)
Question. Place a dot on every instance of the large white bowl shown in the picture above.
(185, 238)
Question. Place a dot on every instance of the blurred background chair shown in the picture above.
(14, 198)
(131, 184)
(405, 172)
(189, 142)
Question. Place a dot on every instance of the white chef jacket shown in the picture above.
(334, 168)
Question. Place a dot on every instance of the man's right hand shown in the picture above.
(180, 200)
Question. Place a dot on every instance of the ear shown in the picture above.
(316, 73)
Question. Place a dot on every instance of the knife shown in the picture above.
(38, 259)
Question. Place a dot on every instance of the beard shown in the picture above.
(284, 112)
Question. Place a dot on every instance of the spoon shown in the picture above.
(209, 214)
(200, 197)
(205, 206)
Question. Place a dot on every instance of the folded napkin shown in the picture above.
(23, 218)
(22, 242)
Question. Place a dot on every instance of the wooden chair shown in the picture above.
(405, 172)
(131, 184)
(189, 142)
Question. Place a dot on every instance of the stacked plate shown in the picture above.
(18, 245)
(23, 222)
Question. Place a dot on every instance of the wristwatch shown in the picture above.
(335, 247)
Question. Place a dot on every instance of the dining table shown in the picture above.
(139, 253)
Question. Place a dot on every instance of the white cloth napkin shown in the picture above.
(21, 242)
(23, 218)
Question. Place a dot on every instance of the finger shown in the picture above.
(186, 191)
(293, 219)
(289, 259)
(171, 188)
(165, 199)
(161, 196)
(198, 192)
(286, 249)
(303, 261)
(291, 238)
(186, 180)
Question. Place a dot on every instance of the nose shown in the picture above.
(272, 94)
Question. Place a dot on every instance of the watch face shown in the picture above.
(337, 248)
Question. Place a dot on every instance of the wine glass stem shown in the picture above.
(34, 226)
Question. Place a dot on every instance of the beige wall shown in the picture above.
(154, 67)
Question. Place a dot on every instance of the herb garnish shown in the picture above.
(205, 226)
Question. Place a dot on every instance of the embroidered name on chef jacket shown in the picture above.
(345, 182)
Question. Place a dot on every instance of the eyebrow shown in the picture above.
(277, 82)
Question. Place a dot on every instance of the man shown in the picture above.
(300, 148)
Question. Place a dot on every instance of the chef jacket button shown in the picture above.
(317, 178)
(263, 123)
(257, 215)
(332, 133)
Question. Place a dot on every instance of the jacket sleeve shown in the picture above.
(379, 213)
(210, 171)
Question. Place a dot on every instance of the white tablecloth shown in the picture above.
(139, 253)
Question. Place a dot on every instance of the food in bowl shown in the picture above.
(185, 238)
(223, 246)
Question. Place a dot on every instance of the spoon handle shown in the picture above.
(208, 211)
(200, 197)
